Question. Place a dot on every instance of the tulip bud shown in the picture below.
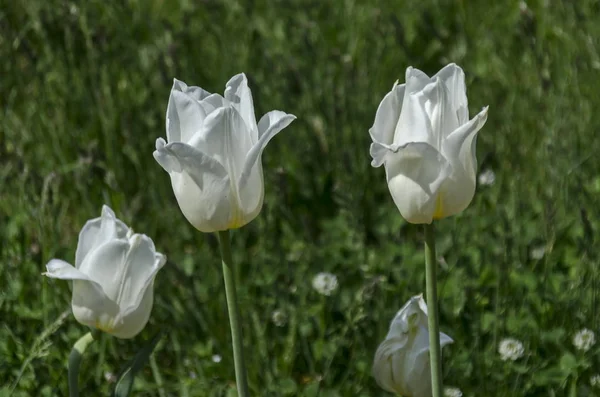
(213, 153)
(113, 276)
(401, 362)
(423, 136)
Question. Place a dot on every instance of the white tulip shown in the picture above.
(213, 154)
(423, 136)
(113, 276)
(401, 362)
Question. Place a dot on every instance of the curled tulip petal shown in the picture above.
(387, 116)
(201, 185)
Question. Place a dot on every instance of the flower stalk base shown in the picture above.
(75, 361)
(234, 314)
(435, 351)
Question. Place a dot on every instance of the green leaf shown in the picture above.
(568, 363)
(125, 382)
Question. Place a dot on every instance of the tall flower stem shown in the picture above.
(234, 314)
(435, 351)
(75, 361)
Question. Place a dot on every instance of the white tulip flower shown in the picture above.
(423, 136)
(401, 362)
(213, 154)
(113, 276)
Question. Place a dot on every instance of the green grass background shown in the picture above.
(83, 93)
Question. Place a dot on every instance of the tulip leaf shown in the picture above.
(125, 382)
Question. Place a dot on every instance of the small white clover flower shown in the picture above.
(595, 380)
(110, 377)
(279, 318)
(452, 392)
(538, 253)
(510, 349)
(486, 177)
(216, 358)
(325, 283)
(584, 339)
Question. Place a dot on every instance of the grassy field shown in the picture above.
(83, 94)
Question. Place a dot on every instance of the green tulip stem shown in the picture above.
(435, 351)
(234, 314)
(75, 361)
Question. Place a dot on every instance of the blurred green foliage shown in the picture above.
(83, 94)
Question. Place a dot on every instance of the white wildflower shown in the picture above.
(538, 253)
(216, 358)
(510, 349)
(584, 339)
(486, 177)
(325, 283)
(452, 392)
(595, 380)
(279, 318)
(110, 377)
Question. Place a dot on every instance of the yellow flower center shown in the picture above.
(438, 213)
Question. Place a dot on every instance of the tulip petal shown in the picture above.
(251, 180)
(185, 115)
(273, 122)
(415, 80)
(413, 123)
(200, 183)
(178, 157)
(91, 306)
(457, 194)
(139, 269)
(212, 103)
(383, 364)
(415, 172)
(403, 322)
(422, 304)
(453, 78)
(132, 321)
(238, 92)
(98, 231)
(461, 143)
(226, 137)
(441, 115)
(196, 93)
(106, 265)
(269, 125)
(379, 152)
(445, 339)
(387, 116)
(93, 309)
(57, 268)
(406, 371)
(136, 297)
